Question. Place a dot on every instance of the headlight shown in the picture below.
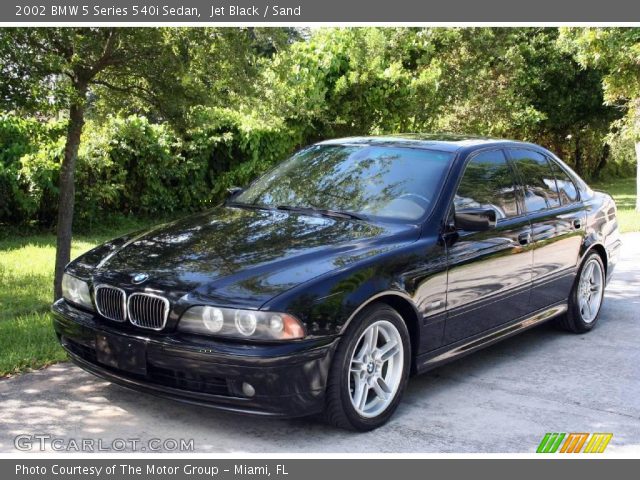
(76, 291)
(230, 322)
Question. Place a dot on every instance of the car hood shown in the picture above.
(239, 257)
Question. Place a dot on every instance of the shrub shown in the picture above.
(39, 173)
(132, 166)
(237, 147)
(623, 161)
(27, 168)
(128, 165)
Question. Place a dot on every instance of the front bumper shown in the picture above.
(289, 379)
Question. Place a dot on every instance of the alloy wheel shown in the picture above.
(590, 290)
(376, 369)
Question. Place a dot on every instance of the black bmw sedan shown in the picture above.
(329, 281)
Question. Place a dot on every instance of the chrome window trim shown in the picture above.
(556, 164)
(125, 310)
(167, 308)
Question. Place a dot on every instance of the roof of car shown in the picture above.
(443, 142)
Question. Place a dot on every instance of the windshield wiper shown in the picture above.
(323, 211)
(250, 206)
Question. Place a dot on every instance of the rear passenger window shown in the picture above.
(540, 189)
(566, 188)
(488, 183)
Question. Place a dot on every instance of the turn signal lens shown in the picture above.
(292, 327)
(248, 324)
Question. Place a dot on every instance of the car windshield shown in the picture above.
(396, 183)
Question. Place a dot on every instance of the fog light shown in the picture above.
(248, 389)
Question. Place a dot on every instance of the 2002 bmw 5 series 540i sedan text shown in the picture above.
(331, 279)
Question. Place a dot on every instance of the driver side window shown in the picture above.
(488, 183)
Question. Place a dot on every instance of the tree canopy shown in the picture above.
(616, 52)
(157, 120)
(164, 70)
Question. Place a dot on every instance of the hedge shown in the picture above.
(132, 166)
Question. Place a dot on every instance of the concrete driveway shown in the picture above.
(503, 399)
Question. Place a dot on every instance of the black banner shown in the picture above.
(313, 469)
(287, 11)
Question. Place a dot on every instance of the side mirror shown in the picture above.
(475, 220)
(233, 192)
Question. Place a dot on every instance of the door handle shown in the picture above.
(577, 223)
(524, 238)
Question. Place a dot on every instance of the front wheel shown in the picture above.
(586, 296)
(370, 370)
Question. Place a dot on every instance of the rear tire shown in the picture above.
(586, 296)
(370, 370)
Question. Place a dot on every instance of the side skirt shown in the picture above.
(441, 356)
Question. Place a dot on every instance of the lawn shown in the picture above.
(27, 340)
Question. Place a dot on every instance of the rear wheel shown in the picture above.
(370, 370)
(586, 296)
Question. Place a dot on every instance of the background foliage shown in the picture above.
(179, 152)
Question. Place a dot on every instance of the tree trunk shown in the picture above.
(578, 156)
(67, 189)
(637, 133)
(602, 162)
(638, 176)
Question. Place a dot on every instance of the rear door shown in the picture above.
(489, 273)
(557, 220)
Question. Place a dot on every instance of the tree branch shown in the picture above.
(107, 58)
(125, 90)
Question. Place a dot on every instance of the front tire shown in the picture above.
(586, 296)
(370, 370)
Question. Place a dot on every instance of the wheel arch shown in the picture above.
(404, 305)
(600, 250)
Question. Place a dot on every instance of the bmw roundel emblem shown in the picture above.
(140, 277)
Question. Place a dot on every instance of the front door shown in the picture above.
(489, 276)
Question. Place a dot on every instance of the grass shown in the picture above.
(27, 340)
(623, 192)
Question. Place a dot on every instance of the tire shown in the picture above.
(582, 317)
(377, 382)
